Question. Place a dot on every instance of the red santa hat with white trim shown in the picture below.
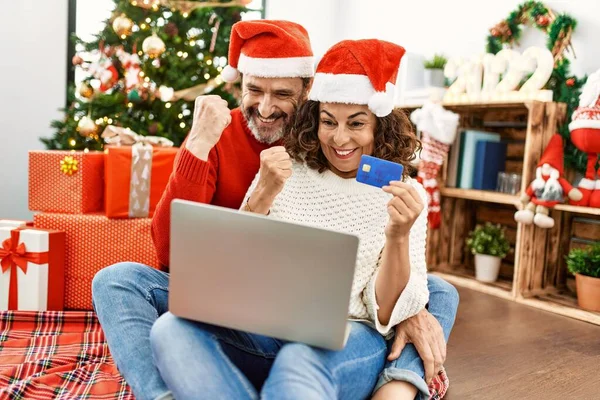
(269, 49)
(359, 72)
(587, 115)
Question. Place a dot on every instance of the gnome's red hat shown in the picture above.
(269, 49)
(553, 154)
(359, 72)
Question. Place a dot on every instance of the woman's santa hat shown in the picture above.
(587, 115)
(359, 72)
(269, 49)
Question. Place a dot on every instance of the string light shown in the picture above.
(185, 15)
(220, 69)
(148, 20)
(167, 105)
(180, 116)
(155, 7)
(142, 74)
(143, 26)
(192, 42)
(134, 3)
(86, 150)
(147, 79)
(182, 125)
(206, 76)
(185, 54)
(72, 142)
(208, 62)
(110, 121)
(179, 53)
(123, 36)
(130, 104)
(99, 121)
(76, 118)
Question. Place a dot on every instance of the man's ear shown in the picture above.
(307, 90)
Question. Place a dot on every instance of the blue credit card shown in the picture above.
(377, 172)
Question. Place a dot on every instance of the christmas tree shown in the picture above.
(145, 68)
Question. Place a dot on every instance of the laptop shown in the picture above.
(252, 273)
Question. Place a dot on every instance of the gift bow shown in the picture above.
(14, 255)
(120, 136)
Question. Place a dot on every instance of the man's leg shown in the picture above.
(202, 361)
(128, 298)
(308, 373)
(443, 304)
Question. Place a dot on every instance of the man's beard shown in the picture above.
(267, 135)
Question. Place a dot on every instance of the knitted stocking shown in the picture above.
(432, 158)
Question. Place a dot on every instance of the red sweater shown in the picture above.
(222, 180)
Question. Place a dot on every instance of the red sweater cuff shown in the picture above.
(191, 167)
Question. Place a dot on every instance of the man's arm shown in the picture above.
(194, 176)
(192, 179)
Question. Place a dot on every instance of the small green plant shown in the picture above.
(488, 239)
(437, 62)
(585, 261)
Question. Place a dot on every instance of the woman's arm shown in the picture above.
(398, 288)
(275, 169)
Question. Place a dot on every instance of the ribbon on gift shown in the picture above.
(14, 255)
(141, 164)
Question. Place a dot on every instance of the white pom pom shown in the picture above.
(229, 74)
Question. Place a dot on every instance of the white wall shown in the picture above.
(455, 28)
(33, 74)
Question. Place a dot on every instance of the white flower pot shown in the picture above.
(434, 78)
(487, 267)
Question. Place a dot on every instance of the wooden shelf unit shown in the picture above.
(535, 272)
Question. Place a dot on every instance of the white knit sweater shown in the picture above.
(327, 201)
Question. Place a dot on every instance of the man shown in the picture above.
(216, 165)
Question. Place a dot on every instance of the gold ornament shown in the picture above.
(122, 25)
(86, 127)
(68, 165)
(153, 46)
(86, 91)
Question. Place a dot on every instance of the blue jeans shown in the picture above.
(129, 298)
(207, 362)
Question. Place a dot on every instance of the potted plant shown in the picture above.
(585, 264)
(490, 246)
(434, 71)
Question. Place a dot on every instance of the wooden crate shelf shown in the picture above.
(535, 273)
(561, 303)
(480, 195)
(577, 210)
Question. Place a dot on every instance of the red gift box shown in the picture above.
(94, 242)
(32, 269)
(66, 181)
(135, 178)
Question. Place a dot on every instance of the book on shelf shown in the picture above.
(490, 158)
(468, 153)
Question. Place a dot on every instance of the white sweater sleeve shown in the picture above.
(415, 295)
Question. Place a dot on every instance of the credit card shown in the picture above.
(377, 172)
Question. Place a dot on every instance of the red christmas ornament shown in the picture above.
(77, 60)
(543, 20)
(570, 82)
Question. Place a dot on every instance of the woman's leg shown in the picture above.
(128, 298)
(408, 368)
(307, 373)
(201, 361)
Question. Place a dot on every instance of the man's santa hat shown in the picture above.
(269, 49)
(359, 72)
(551, 164)
(587, 115)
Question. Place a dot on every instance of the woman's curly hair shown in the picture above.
(394, 138)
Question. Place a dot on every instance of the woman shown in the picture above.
(350, 114)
